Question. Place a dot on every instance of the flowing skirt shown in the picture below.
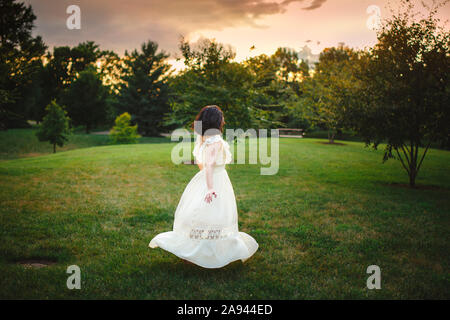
(207, 233)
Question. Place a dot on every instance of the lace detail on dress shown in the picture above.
(223, 157)
(210, 233)
(212, 139)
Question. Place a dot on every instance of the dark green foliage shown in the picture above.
(258, 93)
(86, 100)
(65, 64)
(145, 92)
(55, 126)
(325, 94)
(404, 96)
(20, 55)
(194, 89)
(274, 87)
(210, 78)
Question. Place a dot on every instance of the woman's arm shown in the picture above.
(200, 166)
(210, 160)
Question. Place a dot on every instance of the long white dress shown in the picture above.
(207, 233)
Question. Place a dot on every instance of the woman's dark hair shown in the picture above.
(212, 121)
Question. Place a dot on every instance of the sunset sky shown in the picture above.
(265, 24)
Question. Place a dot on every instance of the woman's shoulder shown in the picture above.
(213, 139)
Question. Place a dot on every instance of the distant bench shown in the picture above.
(291, 133)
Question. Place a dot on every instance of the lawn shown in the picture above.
(329, 213)
(23, 143)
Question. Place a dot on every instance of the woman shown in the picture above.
(205, 229)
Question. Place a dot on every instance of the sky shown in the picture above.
(251, 27)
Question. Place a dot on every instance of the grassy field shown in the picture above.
(23, 143)
(329, 213)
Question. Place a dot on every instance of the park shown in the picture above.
(359, 191)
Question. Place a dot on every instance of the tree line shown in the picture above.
(396, 92)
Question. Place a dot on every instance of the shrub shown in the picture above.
(123, 131)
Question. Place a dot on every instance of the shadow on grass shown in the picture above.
(417, 187)
(332, 143)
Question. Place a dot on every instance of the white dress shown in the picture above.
(207, 233)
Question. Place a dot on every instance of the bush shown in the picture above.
(123, 132)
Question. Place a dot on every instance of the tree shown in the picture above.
(86, 100)
(20, 58)
(404, 94)
(55, 126)
(145, 91)
(326, 93)
(290, 67)
(277, 84)
(123, 132)
(66, 63)
(210, 77)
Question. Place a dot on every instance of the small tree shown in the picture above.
(55, 126)
(123, 132)
(404, 96)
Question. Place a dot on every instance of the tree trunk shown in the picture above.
(88, 128)
(54, 148)
(413, 165)
(331, 135)
(412, 180)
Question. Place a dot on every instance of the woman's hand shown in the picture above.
(209, 195)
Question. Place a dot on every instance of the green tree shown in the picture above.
(290, 68)
(210, 77)
(145, 91)
(65, 64)
(123, 131)
(404, 94)
(86, 100)
(275, 87)
(20, 58)
(55, 126)
(326, 94)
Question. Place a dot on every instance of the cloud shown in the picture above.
(121, 25)
(315, 4)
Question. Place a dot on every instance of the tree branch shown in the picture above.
(416, 153)
(403, 164)
(406, 155)
(423, 156)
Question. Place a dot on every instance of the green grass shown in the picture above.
(329, 213)
(22, 143)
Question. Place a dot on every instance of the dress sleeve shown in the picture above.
(223, 154)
